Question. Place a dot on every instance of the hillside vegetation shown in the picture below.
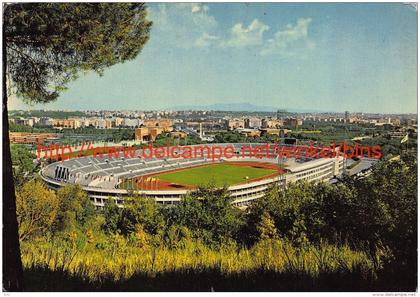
(359, 235)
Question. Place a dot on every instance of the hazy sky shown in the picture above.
(331, 57)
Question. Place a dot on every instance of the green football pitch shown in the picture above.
(215, 174)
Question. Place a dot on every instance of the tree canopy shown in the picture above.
(361, 229)
(48, 44)
(23, 163)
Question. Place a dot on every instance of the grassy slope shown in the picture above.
(120, 265)
(217, 174)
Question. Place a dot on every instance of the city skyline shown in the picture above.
(325, 57)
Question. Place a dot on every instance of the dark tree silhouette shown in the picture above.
(46, 45)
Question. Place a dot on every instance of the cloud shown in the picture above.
(291, 40)
(189, 25)
(205, 40)
(182, 24)
(197, 7)
(246, 36)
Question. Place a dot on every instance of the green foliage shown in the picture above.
(119, 261)
(165, 139)
(360, 229)
(119, 135)
(112, 216)
(56, 114)
(45, 46)
(392, 146)
(23, 165)
(75, 208)
(209, 214)
(22, 128)
(394, 188)
(371, 214)
(48, 44)
(139, 211)
(36, 209)
(266, 227)
(229, 137)
(40, 210)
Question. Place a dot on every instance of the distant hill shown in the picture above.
(236, 107)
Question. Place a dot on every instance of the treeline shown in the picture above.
(357, 235)
(57, 114)
(28, 129)
(114, 134)
(166, 138)
(392, 146)
(236, 137)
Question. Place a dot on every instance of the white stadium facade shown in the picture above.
(101, 177)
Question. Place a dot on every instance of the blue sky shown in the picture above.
(329, 57)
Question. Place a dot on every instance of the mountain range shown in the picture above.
(237, 107)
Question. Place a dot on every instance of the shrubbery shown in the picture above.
(360, 230)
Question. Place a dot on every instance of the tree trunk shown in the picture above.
(12, 263)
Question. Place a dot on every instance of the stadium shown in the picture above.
(166, 180)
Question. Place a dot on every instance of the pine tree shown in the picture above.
(45, 46)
